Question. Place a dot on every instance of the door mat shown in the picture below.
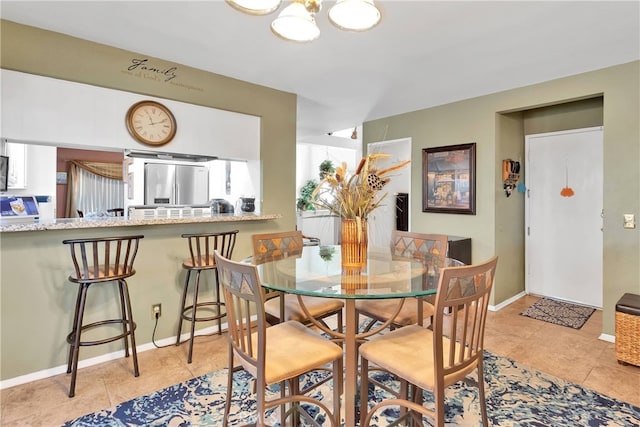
(559, 313)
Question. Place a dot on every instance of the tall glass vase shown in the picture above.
(354, 244)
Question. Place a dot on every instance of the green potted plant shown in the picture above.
(304, 202)
(326, 168)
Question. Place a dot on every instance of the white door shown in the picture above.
(563, 233)
(382, 221)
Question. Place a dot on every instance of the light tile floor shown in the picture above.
(576, 355)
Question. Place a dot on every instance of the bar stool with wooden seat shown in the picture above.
(98, 261)
(201, 248)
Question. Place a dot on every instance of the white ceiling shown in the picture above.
(422, 54)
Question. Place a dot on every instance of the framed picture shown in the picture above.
(448, 179)
(61, 178)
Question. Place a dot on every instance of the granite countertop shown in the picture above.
(79, 223)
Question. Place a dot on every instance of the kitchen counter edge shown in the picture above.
(80, 223)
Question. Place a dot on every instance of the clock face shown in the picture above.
(151, 123)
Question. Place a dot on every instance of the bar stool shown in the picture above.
(201, 248)
(96, 261)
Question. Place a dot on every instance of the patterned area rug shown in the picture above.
(559, 313)
(516, 396)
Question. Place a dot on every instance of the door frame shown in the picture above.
(400, 150)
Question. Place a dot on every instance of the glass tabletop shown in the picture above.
(317, 271)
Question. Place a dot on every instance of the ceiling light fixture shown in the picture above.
(297, 21)
(354, 15)
(255, 7)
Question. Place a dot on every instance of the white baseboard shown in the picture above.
(46, 373)
(607, 337)
(505, 303)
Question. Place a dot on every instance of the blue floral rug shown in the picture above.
(516, 396)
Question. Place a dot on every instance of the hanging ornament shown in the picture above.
(510, 175)
(566, 191)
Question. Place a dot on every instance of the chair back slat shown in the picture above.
(461, 306)
(431, 248)
(103, 258)
(276, 246)
(243, 293)
(270, 246)
(203, 245)
(102, 267)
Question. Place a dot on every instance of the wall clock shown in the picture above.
(151, 123)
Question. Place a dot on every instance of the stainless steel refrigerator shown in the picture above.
(174, 184)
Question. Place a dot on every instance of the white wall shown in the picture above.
(309, 157)
(40, 173)
(52, 112)
(58, 112)
(242, 182)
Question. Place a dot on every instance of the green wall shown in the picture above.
(497, 123)
(36, 298)
(36, 51)
(580, 114)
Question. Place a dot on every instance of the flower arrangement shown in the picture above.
(355, 196)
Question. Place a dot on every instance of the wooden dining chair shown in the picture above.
(280, 307)
(431, 249)
(276, 354)
(434, 359)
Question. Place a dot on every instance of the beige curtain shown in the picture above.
(106, 170)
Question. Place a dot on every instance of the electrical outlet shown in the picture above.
(156, 311)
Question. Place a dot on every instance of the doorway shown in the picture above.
(563, 215)
(382, 221)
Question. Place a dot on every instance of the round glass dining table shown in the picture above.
(317, 271)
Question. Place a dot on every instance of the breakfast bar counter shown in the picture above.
(37, 297)
(101, 222)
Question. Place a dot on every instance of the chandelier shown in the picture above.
(297, 21)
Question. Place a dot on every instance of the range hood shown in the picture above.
(169, 156)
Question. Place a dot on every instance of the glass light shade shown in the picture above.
(296, 23)
(354, 15)
(255, 7)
